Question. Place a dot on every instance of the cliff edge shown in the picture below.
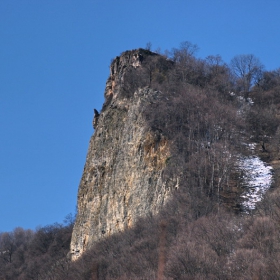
(122, 178)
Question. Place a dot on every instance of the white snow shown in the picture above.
(250, 101)
(252, 146)
(257, 179)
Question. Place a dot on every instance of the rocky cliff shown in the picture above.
(122, 178)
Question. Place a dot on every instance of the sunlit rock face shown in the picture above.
(122, 178)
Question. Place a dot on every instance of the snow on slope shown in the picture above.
(257, 179)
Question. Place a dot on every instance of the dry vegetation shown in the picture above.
(197, 235)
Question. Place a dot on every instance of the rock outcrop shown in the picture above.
(122, 178)
(95, 119)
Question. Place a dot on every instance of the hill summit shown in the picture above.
(169, 142)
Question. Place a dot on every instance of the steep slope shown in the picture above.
(165, 125)
(122, 178)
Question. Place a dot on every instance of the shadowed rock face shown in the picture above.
(122, 178)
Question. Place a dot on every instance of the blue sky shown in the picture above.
(54, 62)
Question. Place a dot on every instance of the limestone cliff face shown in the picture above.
(122, 178)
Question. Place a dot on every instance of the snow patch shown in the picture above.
(252, 146)
(257, 179)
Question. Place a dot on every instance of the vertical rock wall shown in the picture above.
(122, 177)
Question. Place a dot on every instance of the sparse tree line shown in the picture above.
(28, 254)
(201, 233)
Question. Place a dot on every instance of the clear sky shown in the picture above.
(54, 62)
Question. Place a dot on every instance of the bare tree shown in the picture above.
(247, 69)
(7, 246)
(188, 49)
(148, 46)
(270, 80)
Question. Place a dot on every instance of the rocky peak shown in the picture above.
(122, 178)
(120, 65)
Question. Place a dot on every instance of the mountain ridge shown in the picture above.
(175, 183)
(165, 126)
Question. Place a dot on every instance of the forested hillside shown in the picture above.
(213, 114)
